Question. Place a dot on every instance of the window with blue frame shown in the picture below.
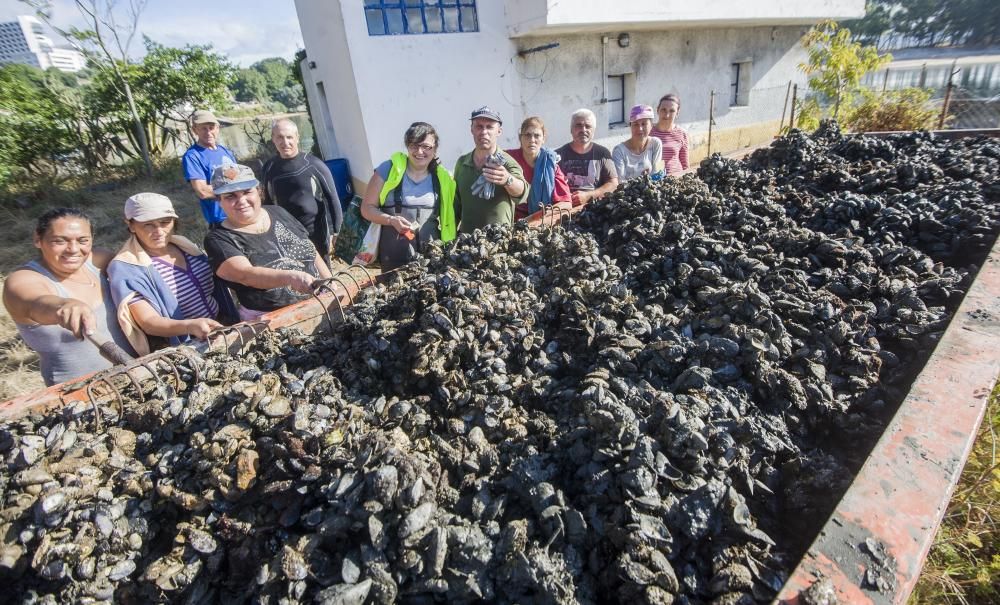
(386, 17)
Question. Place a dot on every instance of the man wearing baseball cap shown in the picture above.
(489, 183)
(203, 157)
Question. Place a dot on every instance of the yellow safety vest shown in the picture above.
(445, 183)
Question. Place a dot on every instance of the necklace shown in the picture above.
(260, 226)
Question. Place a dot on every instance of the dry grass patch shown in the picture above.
(103, 200)
(963, 566)
(18, 364)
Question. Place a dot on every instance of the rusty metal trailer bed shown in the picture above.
(873, 545)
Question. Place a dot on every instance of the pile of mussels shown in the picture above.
(656, 403)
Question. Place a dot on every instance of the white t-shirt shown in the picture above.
(630, 165)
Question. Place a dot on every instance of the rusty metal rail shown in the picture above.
(160, 366)
(887, 520)
(308, 315)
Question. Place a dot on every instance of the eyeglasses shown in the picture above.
(422, 147)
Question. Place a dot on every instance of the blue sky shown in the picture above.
(244, 30)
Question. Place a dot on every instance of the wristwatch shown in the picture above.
(510, 179)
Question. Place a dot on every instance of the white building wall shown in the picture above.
(435, 78)
(690, 63)
(532, 17)
(376, 86)
(67, 59)
(340, 127)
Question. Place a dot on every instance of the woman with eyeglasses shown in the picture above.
(413, 197)
(541, 169)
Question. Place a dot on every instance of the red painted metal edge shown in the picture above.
(308, 315)
(959, 133)
(874, 544)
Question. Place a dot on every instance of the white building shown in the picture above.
(24, 41)
(373, 67)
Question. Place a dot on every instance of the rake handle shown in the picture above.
(110, 350)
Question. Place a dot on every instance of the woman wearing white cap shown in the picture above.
(162, 283)
(641, 154)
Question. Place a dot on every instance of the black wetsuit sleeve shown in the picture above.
(330, 193)
(265, 183)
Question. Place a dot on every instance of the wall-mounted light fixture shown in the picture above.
(312, 65)
(624, 40)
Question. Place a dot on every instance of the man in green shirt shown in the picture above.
(508, 181)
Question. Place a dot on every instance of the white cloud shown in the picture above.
(244, 43)
(244, 32)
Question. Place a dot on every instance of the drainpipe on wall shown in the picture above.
(604, 69)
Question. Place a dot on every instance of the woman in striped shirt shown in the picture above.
(674, 139)
(161, 282)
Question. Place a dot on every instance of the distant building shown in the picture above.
(374, 67)
(24, 41)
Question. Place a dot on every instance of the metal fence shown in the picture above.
(967, 95)
(963, 96)
(736, 121)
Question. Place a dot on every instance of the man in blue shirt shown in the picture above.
(203, 157)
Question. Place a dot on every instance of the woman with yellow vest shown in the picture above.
(413, 197)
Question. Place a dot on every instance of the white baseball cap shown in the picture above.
(144, 207)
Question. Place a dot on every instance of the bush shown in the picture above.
(907, 109)
(808, 114)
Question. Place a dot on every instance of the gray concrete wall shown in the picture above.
(690, 63)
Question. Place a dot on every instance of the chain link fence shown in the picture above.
(967, 95)
(962, 96)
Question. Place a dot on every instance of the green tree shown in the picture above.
(277, 73)
(922, 20)
(930, 22)
(837, 64)
(270, 81)
(973, 22)
(907, 109)
(166, 84)
(33, 123)
(250, 86)
(291, 96)
(876, 22)
(106, 41)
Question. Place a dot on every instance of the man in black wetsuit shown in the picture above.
(302, 184)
